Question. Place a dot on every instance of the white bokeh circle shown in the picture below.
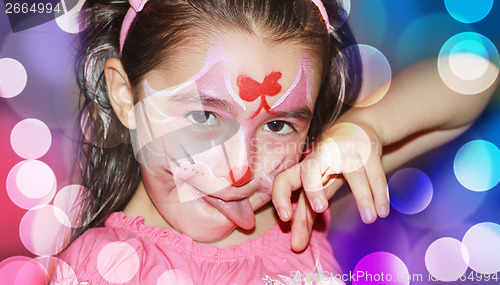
(483, 244)
(447, 259)
(18, 197)
(377, 76)
(13, 77)
(468, 63)
(69, 200)
(62, 272)
(30, 138)
(35, 179)
(118, 262)
(174, 276)
(69, 22)
(41, 231)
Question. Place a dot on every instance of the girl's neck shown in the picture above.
(265, 217)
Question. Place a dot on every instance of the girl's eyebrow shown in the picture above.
(303, 114)
(206, 99)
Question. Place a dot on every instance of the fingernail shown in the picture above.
(383, 212)
(368, 215)
(318, 204)
(283, 214)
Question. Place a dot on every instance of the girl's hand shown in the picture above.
(347, 151)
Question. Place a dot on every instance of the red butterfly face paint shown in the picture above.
(250, 90)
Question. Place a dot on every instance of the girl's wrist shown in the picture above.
(359, 117)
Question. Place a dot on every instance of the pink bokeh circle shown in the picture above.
(10, 267)
(381, 268)
(32, 272)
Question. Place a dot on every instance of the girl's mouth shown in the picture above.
(237, 211)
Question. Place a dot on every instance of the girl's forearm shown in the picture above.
(418, 113)
(418, 100)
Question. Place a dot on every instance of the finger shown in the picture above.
(333, 185)
(310, 174)
(284, 184)
(378, 183)
(361, 190)
(302, 224)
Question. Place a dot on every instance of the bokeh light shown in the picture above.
(467, 11)
(13, 77)
(376, 76)
(483, 244)
(477, 165)
(30, 138)
(68, 199)
(174, 276)
(49, 263)
(347, 6)
(381, 268)
(421, 40)
(50, 94)
(410, 190)
(10, 267)
(31, 194)
(35, 179)
(118, 262)
(447, 259)
(64, 272)
(32, 273)
(41, 231)
(449, 205)
(468, 63)
(349, 151)
(68, 22)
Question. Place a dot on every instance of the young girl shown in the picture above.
(193, 108)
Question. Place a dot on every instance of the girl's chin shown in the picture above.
(218, 231)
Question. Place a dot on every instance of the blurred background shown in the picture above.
(444, 226)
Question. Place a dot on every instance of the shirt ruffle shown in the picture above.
(183, 243)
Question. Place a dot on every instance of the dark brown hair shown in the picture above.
(109, 170)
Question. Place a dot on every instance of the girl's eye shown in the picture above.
(279, 127)
(203, 118)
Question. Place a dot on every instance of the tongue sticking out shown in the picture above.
(239, 212)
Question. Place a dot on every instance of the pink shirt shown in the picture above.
(126, 251)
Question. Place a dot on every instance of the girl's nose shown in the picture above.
(240, 175)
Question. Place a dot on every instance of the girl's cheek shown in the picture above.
(273, 157)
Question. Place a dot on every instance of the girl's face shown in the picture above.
(214, 128)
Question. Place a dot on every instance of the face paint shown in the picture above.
(251, 90)
(294, 96)
(193, 134)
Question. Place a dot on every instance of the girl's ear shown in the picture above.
(120, 92)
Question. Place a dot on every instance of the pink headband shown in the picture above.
(323, 12)
(136, 6)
